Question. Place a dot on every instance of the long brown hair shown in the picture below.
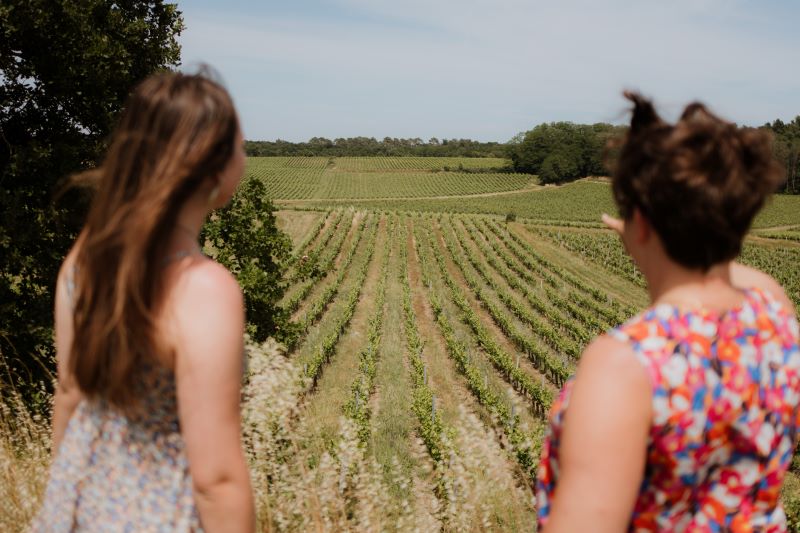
(176, 132)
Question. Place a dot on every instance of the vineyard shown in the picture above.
(304, 178)
(436, 344)
(434, 335)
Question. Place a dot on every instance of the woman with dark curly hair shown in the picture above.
(685, 417)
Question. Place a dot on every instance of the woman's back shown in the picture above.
(725, 393)
(126, 471)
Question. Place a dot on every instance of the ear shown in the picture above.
(641, 226)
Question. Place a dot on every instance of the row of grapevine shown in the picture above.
(556, 370)
(327, 346)
(585, 295)
(523, 445)
(601, 247)
(313, 233)
(346, 185)
(357, 408)
(543, 330)
(780, 262)
(288, 182)
(431, 427)
(417, 163)
(606, 250)
(600, 299)
(318, 307)
(318, 162)
(324, 266)
(312, 256)
(516, 262)
(566, 323)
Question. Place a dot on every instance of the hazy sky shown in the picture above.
(487, 69)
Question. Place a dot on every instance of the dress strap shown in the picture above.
(70, 285)
(180, 254)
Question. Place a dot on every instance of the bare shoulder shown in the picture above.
(609, 374)
(607, 356)
(206, 280)
(204, 308)
(746, 277)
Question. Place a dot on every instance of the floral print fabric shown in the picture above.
(725, 400)
(116, 472)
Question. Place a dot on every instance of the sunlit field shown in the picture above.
(447, 303)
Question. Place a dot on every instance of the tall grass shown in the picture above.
(343, 490)
(24, 460)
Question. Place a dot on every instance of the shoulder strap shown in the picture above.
(70, 285)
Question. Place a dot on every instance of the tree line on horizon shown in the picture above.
(557, 152)
(370, 146)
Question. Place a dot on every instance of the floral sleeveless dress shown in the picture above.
(122, 473)
(726, 390)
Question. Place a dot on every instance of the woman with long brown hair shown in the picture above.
(149, 331)
(685, 418)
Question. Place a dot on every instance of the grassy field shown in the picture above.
(434, 338)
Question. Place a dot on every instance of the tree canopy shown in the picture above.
(370, 146)
(786, 147)
(66, 68)
(561, 151)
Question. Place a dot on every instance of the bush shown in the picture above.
(511, 217)
(245, 238)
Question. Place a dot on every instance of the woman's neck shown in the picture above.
(689, 288)
(188, 223)
(192, 217)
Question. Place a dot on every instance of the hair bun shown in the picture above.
(699, 182)
(644, 113)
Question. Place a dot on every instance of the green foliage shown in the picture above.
(295, 178)
(786, 147)
(244, 237)
(605, 249)
(562, 151)
(370, 146)
(558, 166)
(431, 426)
(511, 217)
(357, 407)
(541, 397)
(327, 346)
(318, 307)
(578, 204)
(66, 69)
(574, 203)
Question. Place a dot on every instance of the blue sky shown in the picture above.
(488, 69)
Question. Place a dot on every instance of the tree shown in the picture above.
(561, 151)
(246, 239)
(558, 166)
(786, 148)
(66, 68)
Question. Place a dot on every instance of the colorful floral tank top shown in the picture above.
(726, 389)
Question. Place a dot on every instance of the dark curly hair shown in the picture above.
(699, 182)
